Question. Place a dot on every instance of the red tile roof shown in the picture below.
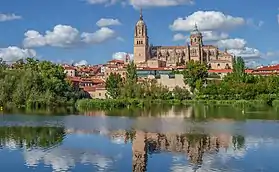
(116, 61)
(69, 68)
(268, 68)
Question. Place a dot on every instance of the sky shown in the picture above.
(95, 31)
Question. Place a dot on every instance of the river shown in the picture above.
(161, 139)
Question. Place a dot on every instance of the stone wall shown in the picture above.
(171, 83)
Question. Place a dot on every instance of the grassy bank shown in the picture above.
(109, 104)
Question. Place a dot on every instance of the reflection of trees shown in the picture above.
(31, 136)
(238, 142)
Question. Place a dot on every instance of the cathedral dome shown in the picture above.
(195, 31)
(140, 23)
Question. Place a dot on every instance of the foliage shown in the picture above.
(241, 86)
(114, 85)
(195, 74)
(36, 84)
(181, 93)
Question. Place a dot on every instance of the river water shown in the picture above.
(175, 139)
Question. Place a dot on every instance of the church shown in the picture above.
(146, 55)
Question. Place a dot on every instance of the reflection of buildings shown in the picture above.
(194, 145)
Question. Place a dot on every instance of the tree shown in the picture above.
(36, 84)
(114, 85)
(132, 76)
(131, 81)
(195, 74)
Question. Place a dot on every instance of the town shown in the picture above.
(158, 62)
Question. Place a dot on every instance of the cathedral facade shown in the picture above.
(146, 55)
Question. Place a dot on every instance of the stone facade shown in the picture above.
(162, 56)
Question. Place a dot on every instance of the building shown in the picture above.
(146, 55)
(267, 70)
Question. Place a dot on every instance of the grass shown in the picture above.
(110, 104)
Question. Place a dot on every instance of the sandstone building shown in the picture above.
(146, 55)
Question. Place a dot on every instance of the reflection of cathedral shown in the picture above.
(193, 145)
(146, 55)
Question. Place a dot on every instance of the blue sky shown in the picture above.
(67, 30)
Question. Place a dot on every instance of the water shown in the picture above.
(219, 139)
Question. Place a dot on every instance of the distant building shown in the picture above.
(146, 55)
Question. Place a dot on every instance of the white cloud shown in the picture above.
(9, 17)
(61, 36)
(97, 1)
(159, 3)
(179, 37)
(81, 63)
(122, 55)
(253, 23)
(66, 36)
(246, 53)
(207, 20)
(214, 36)
(104, 22)
(272, 54)
(101, 35)
(143, 3)
(12, 53)
(278, 18)
(207, 36)
(236, 43)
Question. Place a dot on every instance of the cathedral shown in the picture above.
(146, 55)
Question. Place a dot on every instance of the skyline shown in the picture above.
(91, 31)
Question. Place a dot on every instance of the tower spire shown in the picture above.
(141, 17)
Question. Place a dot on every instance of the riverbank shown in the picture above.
(109, 104)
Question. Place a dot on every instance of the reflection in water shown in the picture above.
(176, 139)
(41, 144)
(30, 137)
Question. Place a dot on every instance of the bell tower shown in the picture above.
(196, 45)
(140, 41)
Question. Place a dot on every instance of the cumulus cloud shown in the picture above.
(12, 53)
(101, 35)
(207, 36)
(81, 63)
(104, 22)
(214, 36)
(121, 55)
(179, 37)
(66, 36)
(235, 43)
(61, 36)
(207, 21)
(9, 17)
(246, 53)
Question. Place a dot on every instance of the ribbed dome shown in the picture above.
(195, 31)
(140, 23)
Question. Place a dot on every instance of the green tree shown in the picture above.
(114, 85)
(132, 76)
(195, 74)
